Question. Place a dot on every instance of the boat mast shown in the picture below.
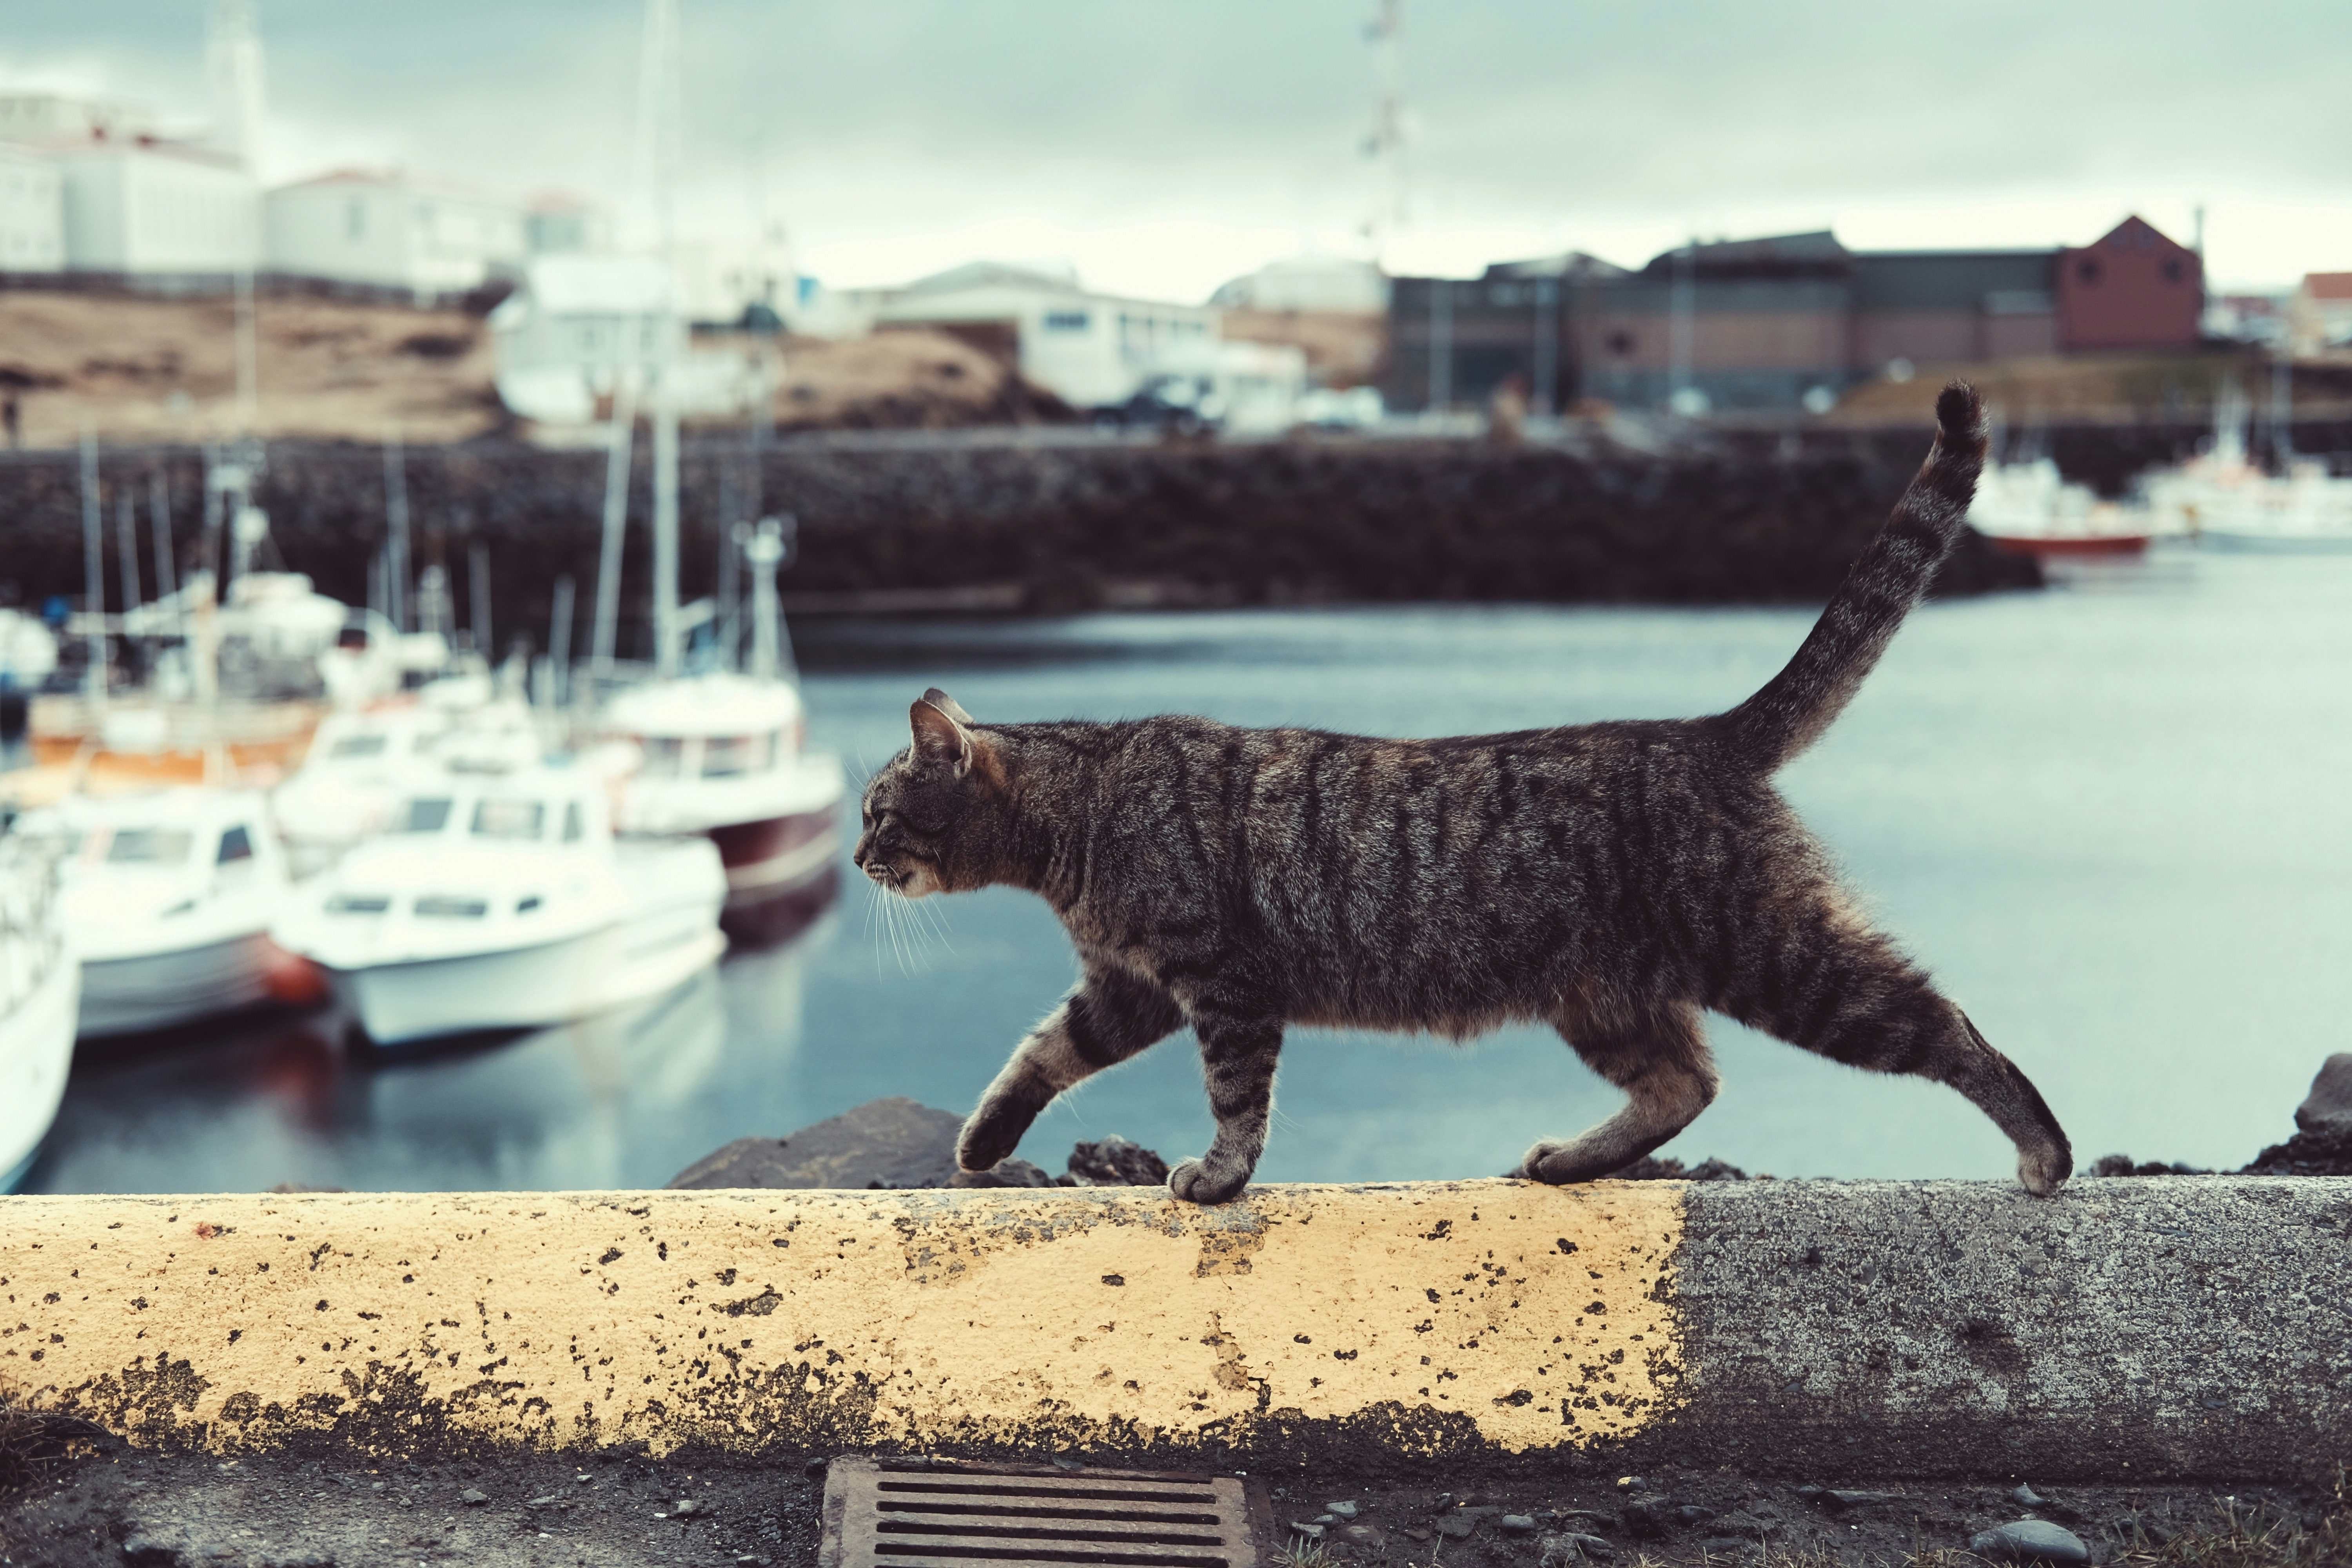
(765, 549)
(93, 562)
(657, 131)
(622, 437)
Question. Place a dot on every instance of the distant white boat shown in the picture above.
(40, 988)
(167, 900)
(2029, 508)
(351, 779)
(501, 901)
(721, 755)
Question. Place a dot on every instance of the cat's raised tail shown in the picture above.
(1792, 709)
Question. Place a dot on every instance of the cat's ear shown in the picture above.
(938, 739)
(949, 706)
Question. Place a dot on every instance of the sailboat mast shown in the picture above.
(659, 130)
(93, 563)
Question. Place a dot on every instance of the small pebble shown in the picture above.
(1632, 1484)
(1344, 1509)
(1517, 1523)
(2030, 1540)
(1327, 1519)
(1312, 1532)
(686, 1506)
(2026, 1497)
(472, 1497)
(543, 1501)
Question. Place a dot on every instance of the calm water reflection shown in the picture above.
(2115, 818)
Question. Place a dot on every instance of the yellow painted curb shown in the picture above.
(1440, 1317)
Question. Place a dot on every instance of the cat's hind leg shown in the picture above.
(1659, 1056)
(1820, 979)
(1108, 1017)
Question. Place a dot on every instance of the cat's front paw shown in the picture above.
(1555, 1164)
(1194, 1183)
(993, 1132)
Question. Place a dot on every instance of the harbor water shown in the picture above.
(2115, 819)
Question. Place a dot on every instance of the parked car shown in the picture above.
(1179, 404)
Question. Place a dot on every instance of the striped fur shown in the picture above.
(1614, 880)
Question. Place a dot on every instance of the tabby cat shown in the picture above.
(1610, 880)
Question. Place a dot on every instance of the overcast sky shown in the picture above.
(1162, 147)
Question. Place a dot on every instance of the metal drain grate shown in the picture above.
(916, 1513)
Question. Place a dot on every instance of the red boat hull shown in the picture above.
(2098, 545)
(779, 867)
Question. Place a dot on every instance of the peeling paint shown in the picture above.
(1493, 1316)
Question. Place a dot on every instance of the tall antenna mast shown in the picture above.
(1385, 143)
(659, 148)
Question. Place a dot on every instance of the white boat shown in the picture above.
(721, 755)
(167, 900)
(352, 777)
(40, 987)
(2029, 509)
(2306, 510)
(504, 902)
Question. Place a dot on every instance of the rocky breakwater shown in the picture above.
(1020, 526)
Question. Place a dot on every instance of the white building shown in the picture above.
(144, 206)
(394, 230)
(1092, 350)
(32, 213)
(1319, 284)
(577, 325)
(58, 116)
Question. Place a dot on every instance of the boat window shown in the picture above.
(573, 828)
(452, 908)
(351, 746)
(357, 904)
(664, 756)
(423, 816)
(524, 906)
(508, 819)
(724, 756)
(149, 846)
(236, 843)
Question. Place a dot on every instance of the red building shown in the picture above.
(2131, 288)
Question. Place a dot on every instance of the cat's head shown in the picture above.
(928, 813)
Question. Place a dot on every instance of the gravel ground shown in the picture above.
(118, 1506)
(121, 1506)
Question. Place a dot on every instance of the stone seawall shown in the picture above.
(1065, 527)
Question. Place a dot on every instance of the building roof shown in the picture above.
(1576, 265)
(1814, 253)
(570, 283)
(2135, 233)
(157, 146)
(2328, 285)
(407, 180)
(994, 275)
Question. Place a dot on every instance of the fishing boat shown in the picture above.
(40, 987)
(2029, 508)
(167, 900)
(721, 756)
(351, 779)
(505, 901)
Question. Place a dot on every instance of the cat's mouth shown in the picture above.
(911, 883)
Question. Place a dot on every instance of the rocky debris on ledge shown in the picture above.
(2321, 1146)
(897, 1143)
(1649, 1168)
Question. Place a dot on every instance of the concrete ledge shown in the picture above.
(2134, 1328)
